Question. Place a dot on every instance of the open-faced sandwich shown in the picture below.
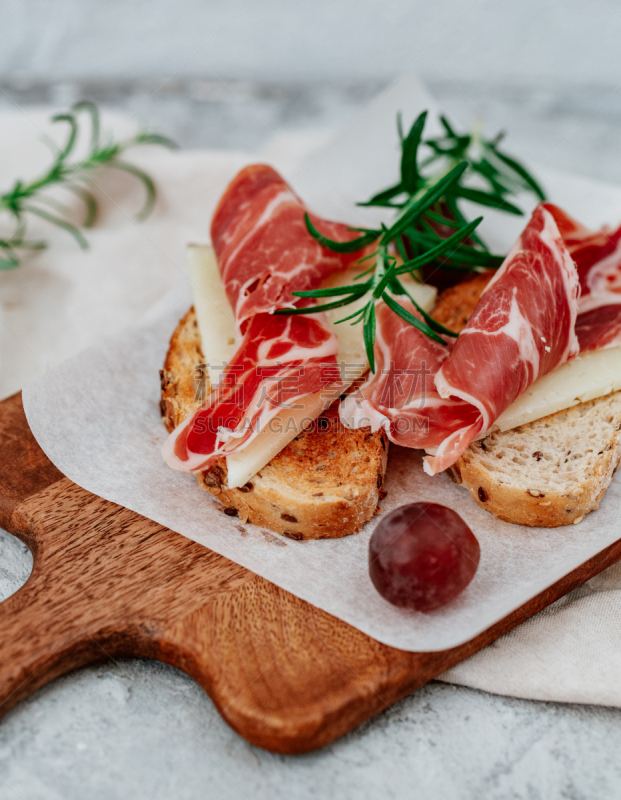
(285, 414)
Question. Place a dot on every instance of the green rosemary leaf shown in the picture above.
(454, 210)
(365, 258)
(316, 309)
(367, 271)
(468, 256)
(401, 248)
(447, 126)
(450, 223)
(521, 171)
(433, 324)
(383, 198)
(487, 199)
(73, 132)
(103, 156)
(359, 314)
(417, 208)
(352, 246)
(363, 230)
(400, 126)
(441, 249)
(471, 257)
(155, 138)
(409, 155)
(411, 319)
(90, 203)
(384, 281)
(61, 223)
(30, 244)
(369, 325)
(428, 209)
(358, 288)
(9, 263)
(27, 198)
(492, 176)
(92, 110)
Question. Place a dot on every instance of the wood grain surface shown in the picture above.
(108, 583)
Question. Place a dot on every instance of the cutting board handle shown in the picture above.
(35, 640)
(40, 639)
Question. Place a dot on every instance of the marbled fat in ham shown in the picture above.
(264, 253)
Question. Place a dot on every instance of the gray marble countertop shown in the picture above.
(136, 729)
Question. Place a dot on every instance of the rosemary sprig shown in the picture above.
(25, 199)
(430, 229)
(383, 282)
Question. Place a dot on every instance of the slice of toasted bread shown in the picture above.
(325, 484)
(549, 472)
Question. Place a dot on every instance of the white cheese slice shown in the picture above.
(217, 329)
(215, 318)
(584, 378)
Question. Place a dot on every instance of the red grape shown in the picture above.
(422, 555)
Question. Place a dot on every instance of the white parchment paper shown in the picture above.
(96, 416)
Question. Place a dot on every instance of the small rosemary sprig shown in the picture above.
(501, 175)
(383, 281)
(25, 199)
(429, 229)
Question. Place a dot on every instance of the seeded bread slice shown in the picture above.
(325, 484)
(550, 472)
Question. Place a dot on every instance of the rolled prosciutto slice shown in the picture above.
(264, 253)
(264, 249)
(521, 329)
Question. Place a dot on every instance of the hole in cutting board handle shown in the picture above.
(15, 564)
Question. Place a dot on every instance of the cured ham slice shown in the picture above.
(263, 246)
(598, 258)
(264, 253)
(585, 246)
(521, 329)
(600, 327)
(280, 362)
(401, 396)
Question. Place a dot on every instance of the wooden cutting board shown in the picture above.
(108, 583)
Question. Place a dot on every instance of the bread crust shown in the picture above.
(325, 484)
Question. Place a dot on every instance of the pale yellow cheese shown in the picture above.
(215, 318)
(217, 329)
(583, 378)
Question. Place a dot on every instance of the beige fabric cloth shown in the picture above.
(569, 652)
(61, 300)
